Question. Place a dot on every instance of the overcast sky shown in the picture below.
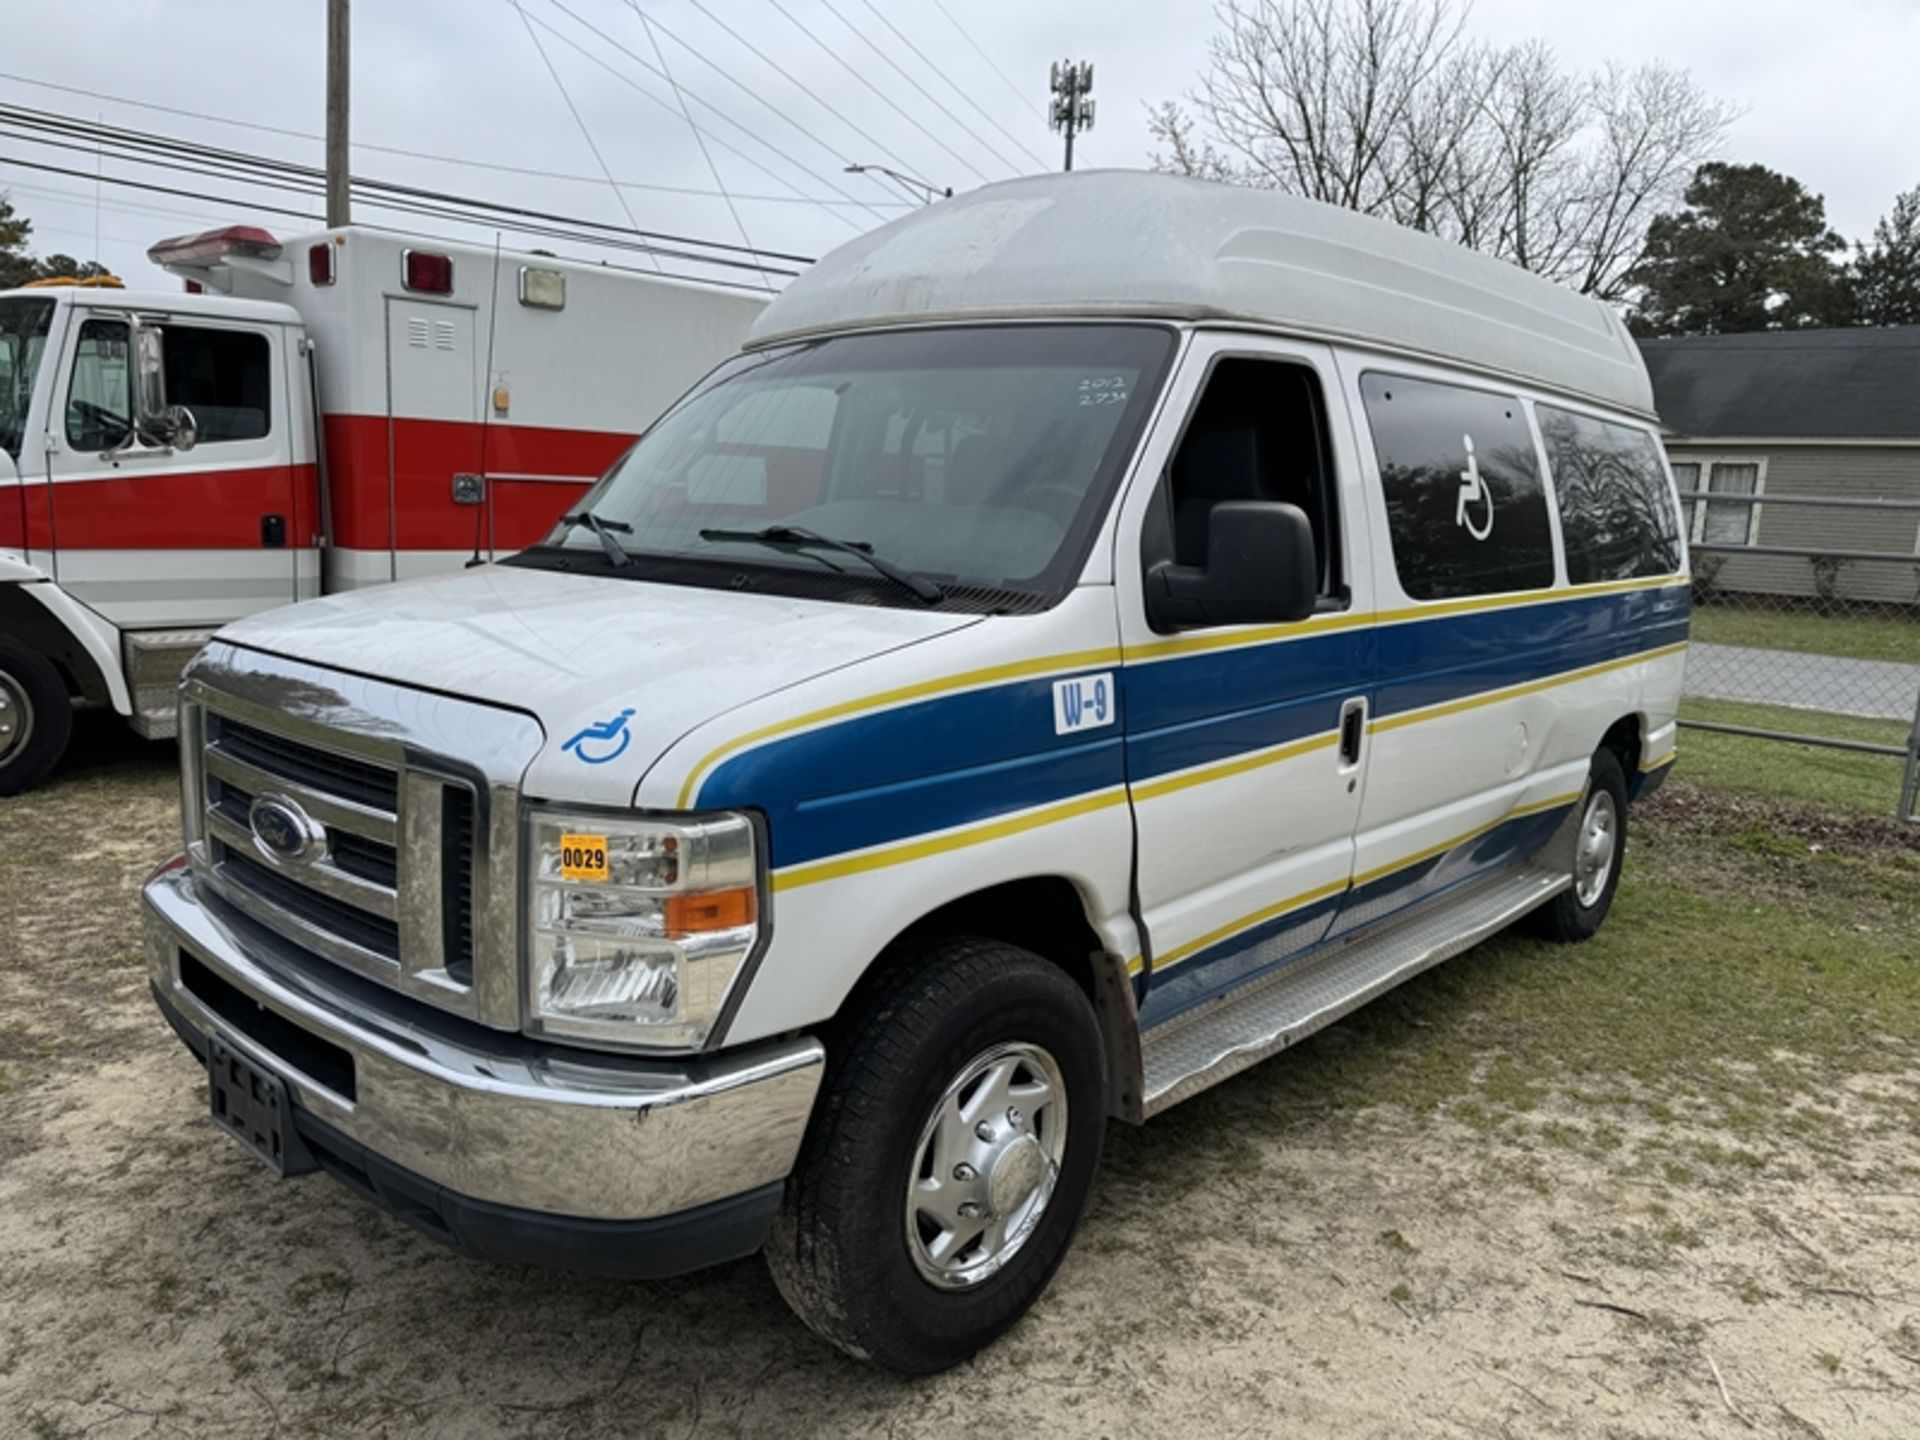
(1828, 92)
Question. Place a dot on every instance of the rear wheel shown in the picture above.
(36, 717)
(949, 1158)
(1599, 848)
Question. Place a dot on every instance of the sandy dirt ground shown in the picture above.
(1353, 1240)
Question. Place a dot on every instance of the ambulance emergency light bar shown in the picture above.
(210, 247)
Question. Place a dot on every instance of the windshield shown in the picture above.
(23, 335)
(979, 458)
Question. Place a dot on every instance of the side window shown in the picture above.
(100, 395)
(1616, 514)
(1258, 433)
(1465, 504)
(225, 377)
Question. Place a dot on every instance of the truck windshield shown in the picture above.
(23, 335)
(980, 459)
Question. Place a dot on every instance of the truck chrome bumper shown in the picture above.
(495, 1119)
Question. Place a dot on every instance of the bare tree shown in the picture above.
(1384, 106)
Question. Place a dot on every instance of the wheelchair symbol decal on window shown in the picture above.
(1473, 491)
(599, 744)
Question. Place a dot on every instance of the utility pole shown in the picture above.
(1072, 107)
(339, 163)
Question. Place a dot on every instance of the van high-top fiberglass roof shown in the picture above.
(1133, 243)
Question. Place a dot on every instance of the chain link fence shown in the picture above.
(1816, 643)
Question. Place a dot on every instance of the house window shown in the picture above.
(1733, 522)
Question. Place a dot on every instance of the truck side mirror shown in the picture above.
(1261, 567)
(154, 418)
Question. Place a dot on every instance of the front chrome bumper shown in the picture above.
(492, 1117)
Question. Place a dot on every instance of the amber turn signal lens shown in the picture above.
(715, 910)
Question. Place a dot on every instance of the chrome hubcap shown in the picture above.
(16, 718)
(986, 1166)
(1593, 857)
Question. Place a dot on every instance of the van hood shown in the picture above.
(614, 670)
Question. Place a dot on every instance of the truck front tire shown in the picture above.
(949, 1158)
(36, 717)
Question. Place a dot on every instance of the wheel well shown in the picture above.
(1043, 915)
(26, 620)
(1623, 739)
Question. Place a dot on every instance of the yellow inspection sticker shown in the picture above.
(583, 857)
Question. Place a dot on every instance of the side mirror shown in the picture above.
(1261, 568)
(179, 428)
(153, 418)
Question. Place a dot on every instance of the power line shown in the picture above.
(265, 208)
(635, 85)
(785, 74)
(705, 154)
(438, 158)
(574, 110)
(922, 57)
(926, 94)
(190, 153)
(887, 99)
(1005, 79)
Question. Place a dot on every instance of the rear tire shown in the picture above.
(949, 1157)
(1599, 848)
(36, 717)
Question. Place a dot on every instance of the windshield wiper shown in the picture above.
(604, 530)
(794, 536)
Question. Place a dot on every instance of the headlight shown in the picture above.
(637, 927)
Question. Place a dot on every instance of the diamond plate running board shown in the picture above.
(1221, 1038)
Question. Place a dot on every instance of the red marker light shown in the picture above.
(320, 263)
(423, 270)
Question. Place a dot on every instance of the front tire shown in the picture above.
(949, 1158)
(36, 717)
(1599, 849)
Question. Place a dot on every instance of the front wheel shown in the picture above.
(1599, 848)
(949, 1158)
(36, 717)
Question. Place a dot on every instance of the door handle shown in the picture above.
(273, 531)
(1353, 730)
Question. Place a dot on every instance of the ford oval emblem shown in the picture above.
(283, 831)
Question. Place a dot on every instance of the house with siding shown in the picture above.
(1826, 413)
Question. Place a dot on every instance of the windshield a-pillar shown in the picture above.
(23, 339)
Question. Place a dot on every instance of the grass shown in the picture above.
(1860, 637)
(1843, 779)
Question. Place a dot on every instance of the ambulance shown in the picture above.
(1098, 631)
(319, 414)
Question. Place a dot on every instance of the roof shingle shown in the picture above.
(1861, 383)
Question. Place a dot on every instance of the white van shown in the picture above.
(1102, 629)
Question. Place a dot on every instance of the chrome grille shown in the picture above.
(409, 877)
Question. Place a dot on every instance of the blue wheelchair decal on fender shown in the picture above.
(601, 736)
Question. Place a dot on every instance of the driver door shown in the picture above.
(153, 537)
(1246, 744)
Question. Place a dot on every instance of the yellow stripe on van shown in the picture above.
(1238, 765)
(799, 875)
(967, 679)
(1519, 812)
(1514, 692)
(1431, 610)
(1247, 922)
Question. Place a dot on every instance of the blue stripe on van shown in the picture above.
(959, 759)
(1252, 953)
